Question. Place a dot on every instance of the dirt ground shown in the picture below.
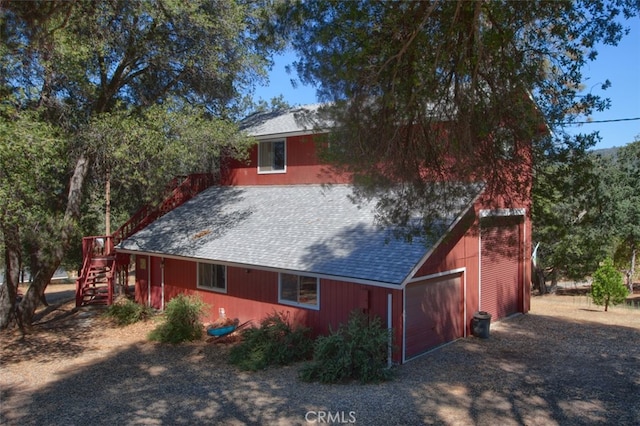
(565, 362)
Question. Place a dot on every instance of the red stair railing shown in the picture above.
(98, 247)
(181, 190)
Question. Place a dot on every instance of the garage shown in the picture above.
(434, 311)
(501, 288)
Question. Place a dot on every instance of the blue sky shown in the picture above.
(619, 64)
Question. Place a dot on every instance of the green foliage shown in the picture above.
(275, 342)
(32, 162)
(136, 52)
(608, 286)
(356, 351)
(575, 215)
(33, 167)
(137, 91)
(129, 145)
(125, 311)
(182, 321)
(624, 213)
(395, 71)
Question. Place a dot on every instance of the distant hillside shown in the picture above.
(607, 152)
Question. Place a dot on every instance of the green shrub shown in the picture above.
(182, 320)
(608, 286)
(125, 311)
(275, 342)
(356, 351)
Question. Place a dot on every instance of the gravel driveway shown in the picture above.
(564, 363)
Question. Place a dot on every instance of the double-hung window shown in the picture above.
(272, 157)
(212, 276)
(299, 290)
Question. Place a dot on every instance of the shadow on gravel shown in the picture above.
(564, 373)
(61, 335)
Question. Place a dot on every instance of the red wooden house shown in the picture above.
(273, 236)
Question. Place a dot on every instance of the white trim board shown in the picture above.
(501, 212)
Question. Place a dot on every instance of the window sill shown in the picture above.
(300, 305)
(213, 290)
(272, 172)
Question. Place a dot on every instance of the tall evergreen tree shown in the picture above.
(433, 89)
(571, 227)
(625, 209)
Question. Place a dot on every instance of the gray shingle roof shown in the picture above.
(309, 228)
(298, 119)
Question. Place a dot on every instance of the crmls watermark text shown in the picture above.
(337, 417)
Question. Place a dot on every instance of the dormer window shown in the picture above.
(272, 157)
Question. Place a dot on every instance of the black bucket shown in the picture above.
(481, 324)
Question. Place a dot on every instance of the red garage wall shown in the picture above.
(460, 249)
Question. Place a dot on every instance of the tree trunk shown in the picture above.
(554, 281)
(8, 291)
(632, 269)
(540, 281)
(35, 292)
(47, 255)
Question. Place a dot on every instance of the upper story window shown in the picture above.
(212, 277)
(272, 157)
(505, 143)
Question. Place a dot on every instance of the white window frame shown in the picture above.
(297, 303)
(212, 288)
(260, 148)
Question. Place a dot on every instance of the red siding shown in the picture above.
(459, 250)
(253, 294)
(250, 295)
(142, 278)
(156, 282)
(302, 167)
(501, 273)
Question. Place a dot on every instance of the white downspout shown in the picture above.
(389, 329)
(162, 282)
(479, 265)
(148, 260)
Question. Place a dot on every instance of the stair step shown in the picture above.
(95, 301)
(102, 262)
(96, 290)
(93, 287)
(99, 275)
(99, 271)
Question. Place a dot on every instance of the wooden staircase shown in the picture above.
(102, 265)
(95, 285)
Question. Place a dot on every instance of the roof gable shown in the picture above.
(298, 120)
